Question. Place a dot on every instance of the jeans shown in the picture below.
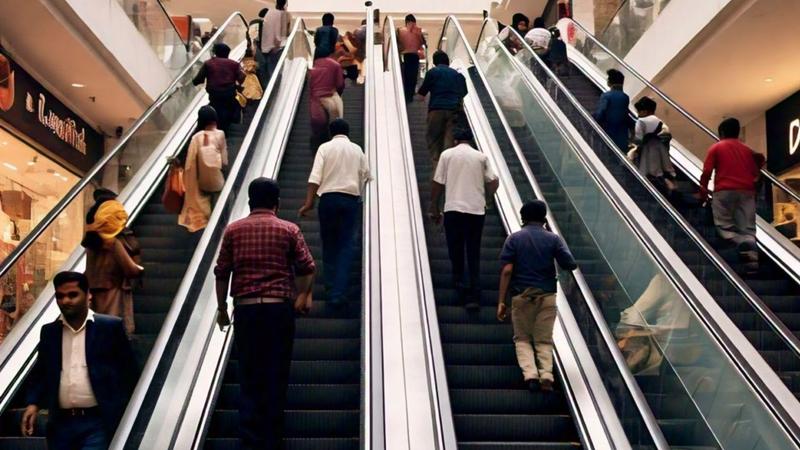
(533, 314)
(410, 74)
(77, 433)
(463, 232)
(263, 336)
(338, 218)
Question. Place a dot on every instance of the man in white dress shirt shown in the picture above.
(84, 372)
(338, 176)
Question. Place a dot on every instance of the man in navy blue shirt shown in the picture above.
(613, 111)
(325, 37)
(530, 275)
(447, 88)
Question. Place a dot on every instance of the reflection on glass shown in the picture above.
(152, 21)
(619, 24)
(667, 346)
(23, 283)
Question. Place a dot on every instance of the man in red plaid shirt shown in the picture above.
(273, 273)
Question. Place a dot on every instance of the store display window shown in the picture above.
(30, 186)
(787, 209)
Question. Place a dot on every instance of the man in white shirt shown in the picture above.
(274, 32)
(465, 176)
(539, 37)
(84, 371)
(338, 176)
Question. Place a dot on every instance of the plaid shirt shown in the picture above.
(264, 253)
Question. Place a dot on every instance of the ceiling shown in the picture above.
(741, 65)
(56, 55)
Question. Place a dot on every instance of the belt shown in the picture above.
(244, 301)
(78, 412)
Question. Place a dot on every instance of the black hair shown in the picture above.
(206, 116)
(363, 21)
(411, 18)
(519, 17)
(463, 134)
(729, 128)
(538, 22)
(327, 19)
(248, 52)
(646, 104)
(339, 126)
(263, 193)
(63, 278)
(280, 4)
(440, 57)
(615, 76)
(221, 50)
(555, 32)
(533, 211)
(263, 12)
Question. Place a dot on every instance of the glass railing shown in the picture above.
(619, 24)
(643, 298)
(777, 201)
(27, 270)
(154, 23)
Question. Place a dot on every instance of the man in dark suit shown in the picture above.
(613, 110)
(84, 372)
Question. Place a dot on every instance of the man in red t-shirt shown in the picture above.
(736, 168)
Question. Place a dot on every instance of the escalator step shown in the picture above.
(505, 401)
(299, 424)
(291, 444)
(303, 396)
(508, 427)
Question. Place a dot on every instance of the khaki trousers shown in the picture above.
(333, 106)
(440, 132)
(533, 314)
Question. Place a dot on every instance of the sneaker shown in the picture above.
(533, 385)
(546, 385)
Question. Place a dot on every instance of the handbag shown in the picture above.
(174, 190)
(209, 167)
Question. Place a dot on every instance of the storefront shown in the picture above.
(783, 159)
(45, 149)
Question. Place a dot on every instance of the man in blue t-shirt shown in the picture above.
(530, 275)
(448, 89)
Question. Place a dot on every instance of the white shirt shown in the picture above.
(75, 388)
(538, 37)
(340, 166)
(464, 173)
(274, 30)
(646, 125)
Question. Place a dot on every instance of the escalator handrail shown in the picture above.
(76, 189)
(695, 121)
(186, 42)
(192, 278)
(608, 339)
(752, 377)
(440, 401)
(752, 298)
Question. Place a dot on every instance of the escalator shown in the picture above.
(492, 407)
(324, 396)
(718, 266)
(167, 249)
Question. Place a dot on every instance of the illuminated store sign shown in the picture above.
(783, 135)
(32, 110)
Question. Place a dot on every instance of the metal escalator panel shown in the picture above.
(694, 387)
(323, 409)
(143, 150)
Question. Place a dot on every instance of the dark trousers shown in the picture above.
(338, 218)
(463, 232)
(270, 64)
(224, 103)
(77, 433)
(263, 335)
(410, 74)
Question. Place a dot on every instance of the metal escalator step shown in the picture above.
(298, 424)
(518, 445)
(20, 443)
(459, 314)
(506, 401)
(323, 328)
(291, 444)
(471, 376)
(326, 349)
(148, 323)
(509, 427)
(303, 396)
(147, 304)
(310, 372)
(483, 333)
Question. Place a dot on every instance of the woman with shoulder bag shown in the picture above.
(651, 155)
(202, 173)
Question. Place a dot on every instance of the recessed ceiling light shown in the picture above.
(5, 143)
(56, 174)
(10, 166)
(78, 85)
(768, 80)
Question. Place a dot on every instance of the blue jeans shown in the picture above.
(77, 433)
(338, 218)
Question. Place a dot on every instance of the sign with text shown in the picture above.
(783, 134)
(34, 111)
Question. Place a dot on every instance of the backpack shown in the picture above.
(209, 167)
